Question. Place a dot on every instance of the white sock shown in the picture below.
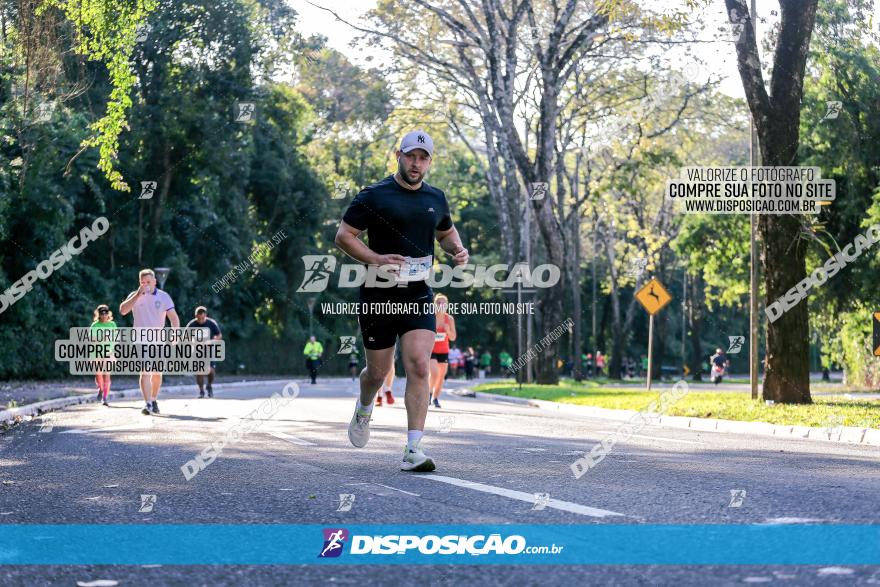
(413, 437)
(365, 409)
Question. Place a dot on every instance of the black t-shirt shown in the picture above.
(210, 324)
(399, 221)
(719, 360)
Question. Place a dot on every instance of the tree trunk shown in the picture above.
(777, 119)
(601, 344)
(576, 298)
(695, 324)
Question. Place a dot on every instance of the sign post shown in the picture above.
(653, 297)
(162, 275)
(650, 348)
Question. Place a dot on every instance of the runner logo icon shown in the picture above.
(334, 540)
(318, 271)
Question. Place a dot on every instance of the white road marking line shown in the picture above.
(289, 438)
(778, 521)
(658, 438)
(385, 486)
(148, 424)
(396, 489)
(565, 506)
(835, 571)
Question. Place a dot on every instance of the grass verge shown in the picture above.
(826, 411)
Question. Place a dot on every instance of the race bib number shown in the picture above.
(415, 269)
(439, 336)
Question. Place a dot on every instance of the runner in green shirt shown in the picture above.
(486, 362)
(313, 352)
(505, 360)
(103, 318)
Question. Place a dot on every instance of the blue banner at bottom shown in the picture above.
(189, 544)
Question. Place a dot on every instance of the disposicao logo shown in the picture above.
(403, 544)
(334, 540)
(320, 268)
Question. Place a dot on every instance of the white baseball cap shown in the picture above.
(417, 139)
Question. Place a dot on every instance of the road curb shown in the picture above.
(842, 434)
(35, 409)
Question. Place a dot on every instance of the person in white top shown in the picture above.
(150, 306)
(455, 360)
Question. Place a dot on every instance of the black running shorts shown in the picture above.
(379, 330)
(440, 357)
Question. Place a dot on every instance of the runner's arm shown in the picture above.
(450, 328)
(128, 303)
(450, 242)
(347, 240)
(173, 318)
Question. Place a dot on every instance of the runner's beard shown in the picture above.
(405, 176)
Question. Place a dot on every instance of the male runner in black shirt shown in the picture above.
(402, 216)
(202, 321)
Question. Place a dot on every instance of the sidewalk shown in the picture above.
(22, 393)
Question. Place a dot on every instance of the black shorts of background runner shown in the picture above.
(440, 357)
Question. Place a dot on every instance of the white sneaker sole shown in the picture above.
(351, 436)
(425, 466)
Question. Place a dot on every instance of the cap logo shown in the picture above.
(421, 138)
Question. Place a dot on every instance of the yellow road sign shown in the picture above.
(877, 334)
(653, 296)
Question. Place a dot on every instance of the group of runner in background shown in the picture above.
(150, 307)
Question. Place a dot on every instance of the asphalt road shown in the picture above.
(96, 462)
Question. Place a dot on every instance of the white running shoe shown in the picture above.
(415, 460)
(359, 427)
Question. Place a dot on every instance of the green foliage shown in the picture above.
(844, 68)
(718, 246)
(861, 367)
(106, 32)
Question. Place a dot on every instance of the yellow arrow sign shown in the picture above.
(877, 334)
(653, 296)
